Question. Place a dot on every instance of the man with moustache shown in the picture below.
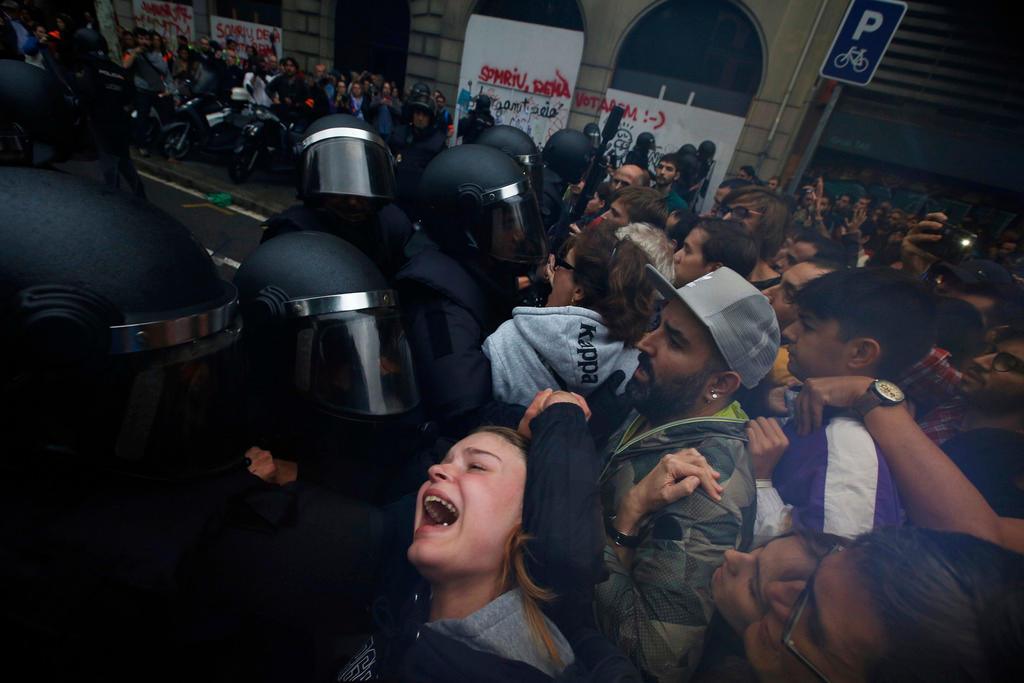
(686, 433)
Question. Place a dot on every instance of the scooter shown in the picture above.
(203, 122)
(266, 140)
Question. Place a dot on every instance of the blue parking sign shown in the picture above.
(862, 39)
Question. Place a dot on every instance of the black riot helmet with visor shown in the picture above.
(118, 341)
(475, 199)
(322, 323)
(341, 155)
(37, 116)
(521, 147)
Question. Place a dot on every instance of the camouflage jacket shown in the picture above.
(657, 611)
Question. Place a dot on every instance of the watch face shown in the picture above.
(889, 391)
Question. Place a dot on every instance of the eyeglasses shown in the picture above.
(738, 212)
(794, 619)
(562, 263)
(1003, 361)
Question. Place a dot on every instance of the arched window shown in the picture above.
(709, 48)
(557, 13)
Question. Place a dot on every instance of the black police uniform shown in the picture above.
(104, 91)
(473, 123)
(342, 156)
(413, 149)
(382, 237)
(481, 229)
(135, 544)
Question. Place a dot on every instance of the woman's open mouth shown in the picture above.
(439, 510)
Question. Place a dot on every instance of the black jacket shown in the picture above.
(383, 237)
(413, 149)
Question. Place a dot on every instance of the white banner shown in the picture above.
(166, 18)
(529, 72)
(673, 125)
(250, 37)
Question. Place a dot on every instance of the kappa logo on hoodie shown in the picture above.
(587, 362)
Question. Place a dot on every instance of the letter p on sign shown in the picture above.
(869, 22)
(862, 39)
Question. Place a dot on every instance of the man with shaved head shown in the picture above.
(629, 174)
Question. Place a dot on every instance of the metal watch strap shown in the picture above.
(620, 539)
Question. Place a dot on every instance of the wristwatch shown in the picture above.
(880, 393)
(620, 539)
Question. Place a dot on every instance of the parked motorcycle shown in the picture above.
(203, 122)
(266, 141)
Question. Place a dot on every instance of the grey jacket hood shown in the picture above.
(565, 347)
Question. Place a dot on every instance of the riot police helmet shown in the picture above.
(419, 99)
(644, 141)
(473, 198)
(118, 344)
(521, 147)
(568, 154)
(706, 151)
(341, 155)
(322, 323)
(483, 103)
(37, 116)
(86, 41)
(687, 149)
(593, 131)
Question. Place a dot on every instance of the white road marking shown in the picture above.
(196, 193)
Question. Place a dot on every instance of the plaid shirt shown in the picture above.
(931, 382)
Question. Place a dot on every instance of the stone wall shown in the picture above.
(308, 31)
(439, 27)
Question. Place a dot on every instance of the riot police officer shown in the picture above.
(346, 181)
(104, 92)
(329, 366)
(567, 156)
(118, 403)
(482, 236)
(37, 116)
(415, 141)
(476, 121)
(521, 147)
(640, 154)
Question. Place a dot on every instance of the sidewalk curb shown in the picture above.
(250, 201)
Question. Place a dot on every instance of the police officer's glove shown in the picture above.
(609, 407)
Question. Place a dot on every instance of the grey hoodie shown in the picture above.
(500, 628)
(563, 347)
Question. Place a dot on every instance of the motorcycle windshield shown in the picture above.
(357, 363)
(517, 234)
(347, 166)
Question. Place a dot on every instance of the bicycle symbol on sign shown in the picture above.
(852, 57)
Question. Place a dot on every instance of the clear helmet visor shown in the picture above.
(357, 363)
(516, 232)
(347, 166)
(533, 167)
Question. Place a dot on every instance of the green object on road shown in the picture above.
(219, 199)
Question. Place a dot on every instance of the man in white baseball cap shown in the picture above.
(671, 512)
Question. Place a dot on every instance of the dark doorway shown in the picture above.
(372, 36)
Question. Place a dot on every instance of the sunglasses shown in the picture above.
(560, 262)
(738, 212)
(1003, 361)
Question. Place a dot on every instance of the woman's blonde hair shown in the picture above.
(514, 573)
